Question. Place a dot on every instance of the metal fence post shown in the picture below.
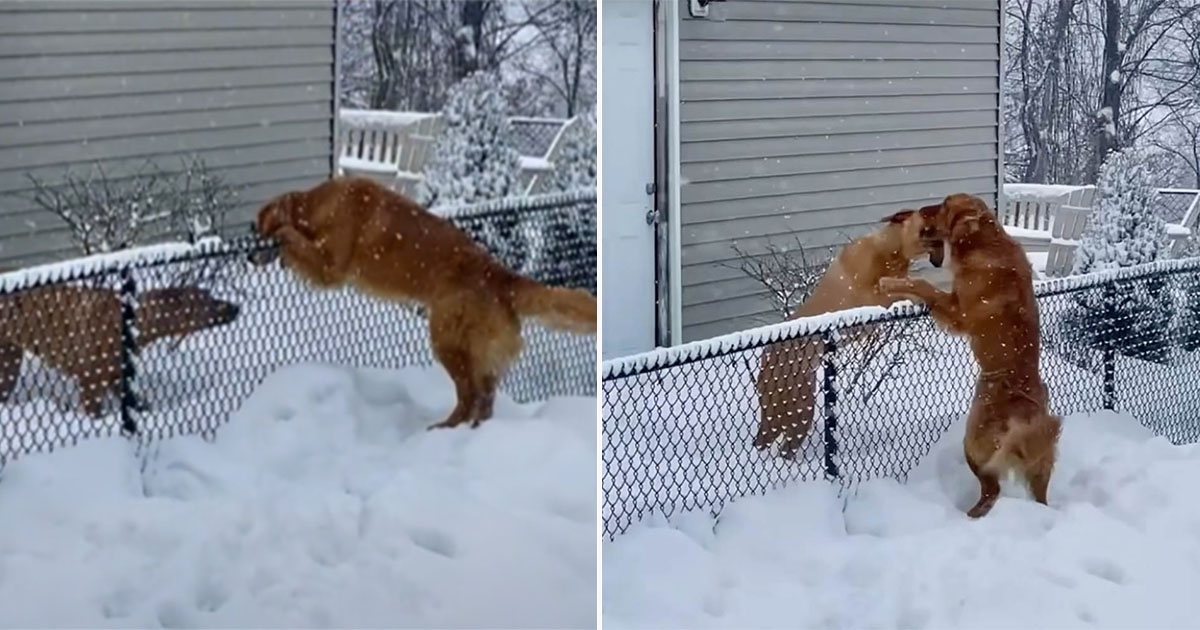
(1109, 346)
(830, 391)
(129, 399)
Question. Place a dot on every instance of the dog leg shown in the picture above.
(1038, 479)
(317, 264)
(768, 383)
(10, 369)
(451, 343)
(457, 364)
(989, 489)
(1039, 468)
(786, 401)
(497, 336)
(486, 399)
(94, 387)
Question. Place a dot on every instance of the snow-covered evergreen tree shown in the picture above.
(567, 252)
(575, 166)
(474, 161)
(473, 157)
(1124, 228)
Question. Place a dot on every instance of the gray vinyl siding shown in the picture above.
(248, 86)
(813, 120)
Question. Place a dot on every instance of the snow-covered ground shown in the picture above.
(323, 502)
(680, 438)
(1119, 546)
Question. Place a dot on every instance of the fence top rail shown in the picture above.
(213, 247)
(659, 358)
(516, 204)
(132, 258)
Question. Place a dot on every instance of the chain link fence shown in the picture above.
(679, 423)
(171, 339)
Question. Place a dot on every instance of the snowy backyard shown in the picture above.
(323, 502)
(704, 531)
(1119, 546)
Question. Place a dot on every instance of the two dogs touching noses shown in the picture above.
(991, 303)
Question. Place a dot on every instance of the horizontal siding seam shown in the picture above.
(687, 121)
(693, 204)
(807, 98)
(322, 81)
(825, 134)
(856, 169)
(140, 31)
(144, 156)
(251, 65)
(280, 103)
(122, 136)
(844, 152)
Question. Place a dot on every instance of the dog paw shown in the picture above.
(892, 285)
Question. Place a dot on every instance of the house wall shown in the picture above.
(816, 119)
(246, 85)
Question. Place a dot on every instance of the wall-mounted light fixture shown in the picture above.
(699, 8)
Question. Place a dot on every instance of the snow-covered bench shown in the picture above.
(1048, 221)
(541, 172)
(389, 147)
(1181, 231)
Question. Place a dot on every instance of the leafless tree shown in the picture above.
(106, 212)
(565, 60)
(406, 54)
(1086, 77)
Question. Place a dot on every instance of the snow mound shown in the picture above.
(324, 502)
(1119, 546)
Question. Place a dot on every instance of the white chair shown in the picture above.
(1067, 227)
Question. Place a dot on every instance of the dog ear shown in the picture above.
(899, 217)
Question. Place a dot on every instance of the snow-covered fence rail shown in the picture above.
(84, 349)
(679, 423)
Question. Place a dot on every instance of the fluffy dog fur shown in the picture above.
(786, 372)
(354, 231)
(992, 303)
(77, 331)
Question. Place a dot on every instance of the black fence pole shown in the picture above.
(830, 390)
(1109, 347)
(129, 398)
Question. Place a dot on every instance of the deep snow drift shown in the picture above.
(1119, 546)
(323, 502)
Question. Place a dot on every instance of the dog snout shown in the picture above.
(262, 257)
(230, 312)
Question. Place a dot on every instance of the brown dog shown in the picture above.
(77, 331)
(351, 230)
(993, 305)
(787, 370)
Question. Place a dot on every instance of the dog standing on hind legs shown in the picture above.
(787, 370)
(1009, 426)
(351, 230)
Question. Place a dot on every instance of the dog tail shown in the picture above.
(572, 310)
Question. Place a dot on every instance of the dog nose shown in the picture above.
(232, 311)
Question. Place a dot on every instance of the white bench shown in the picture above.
(389, 147)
